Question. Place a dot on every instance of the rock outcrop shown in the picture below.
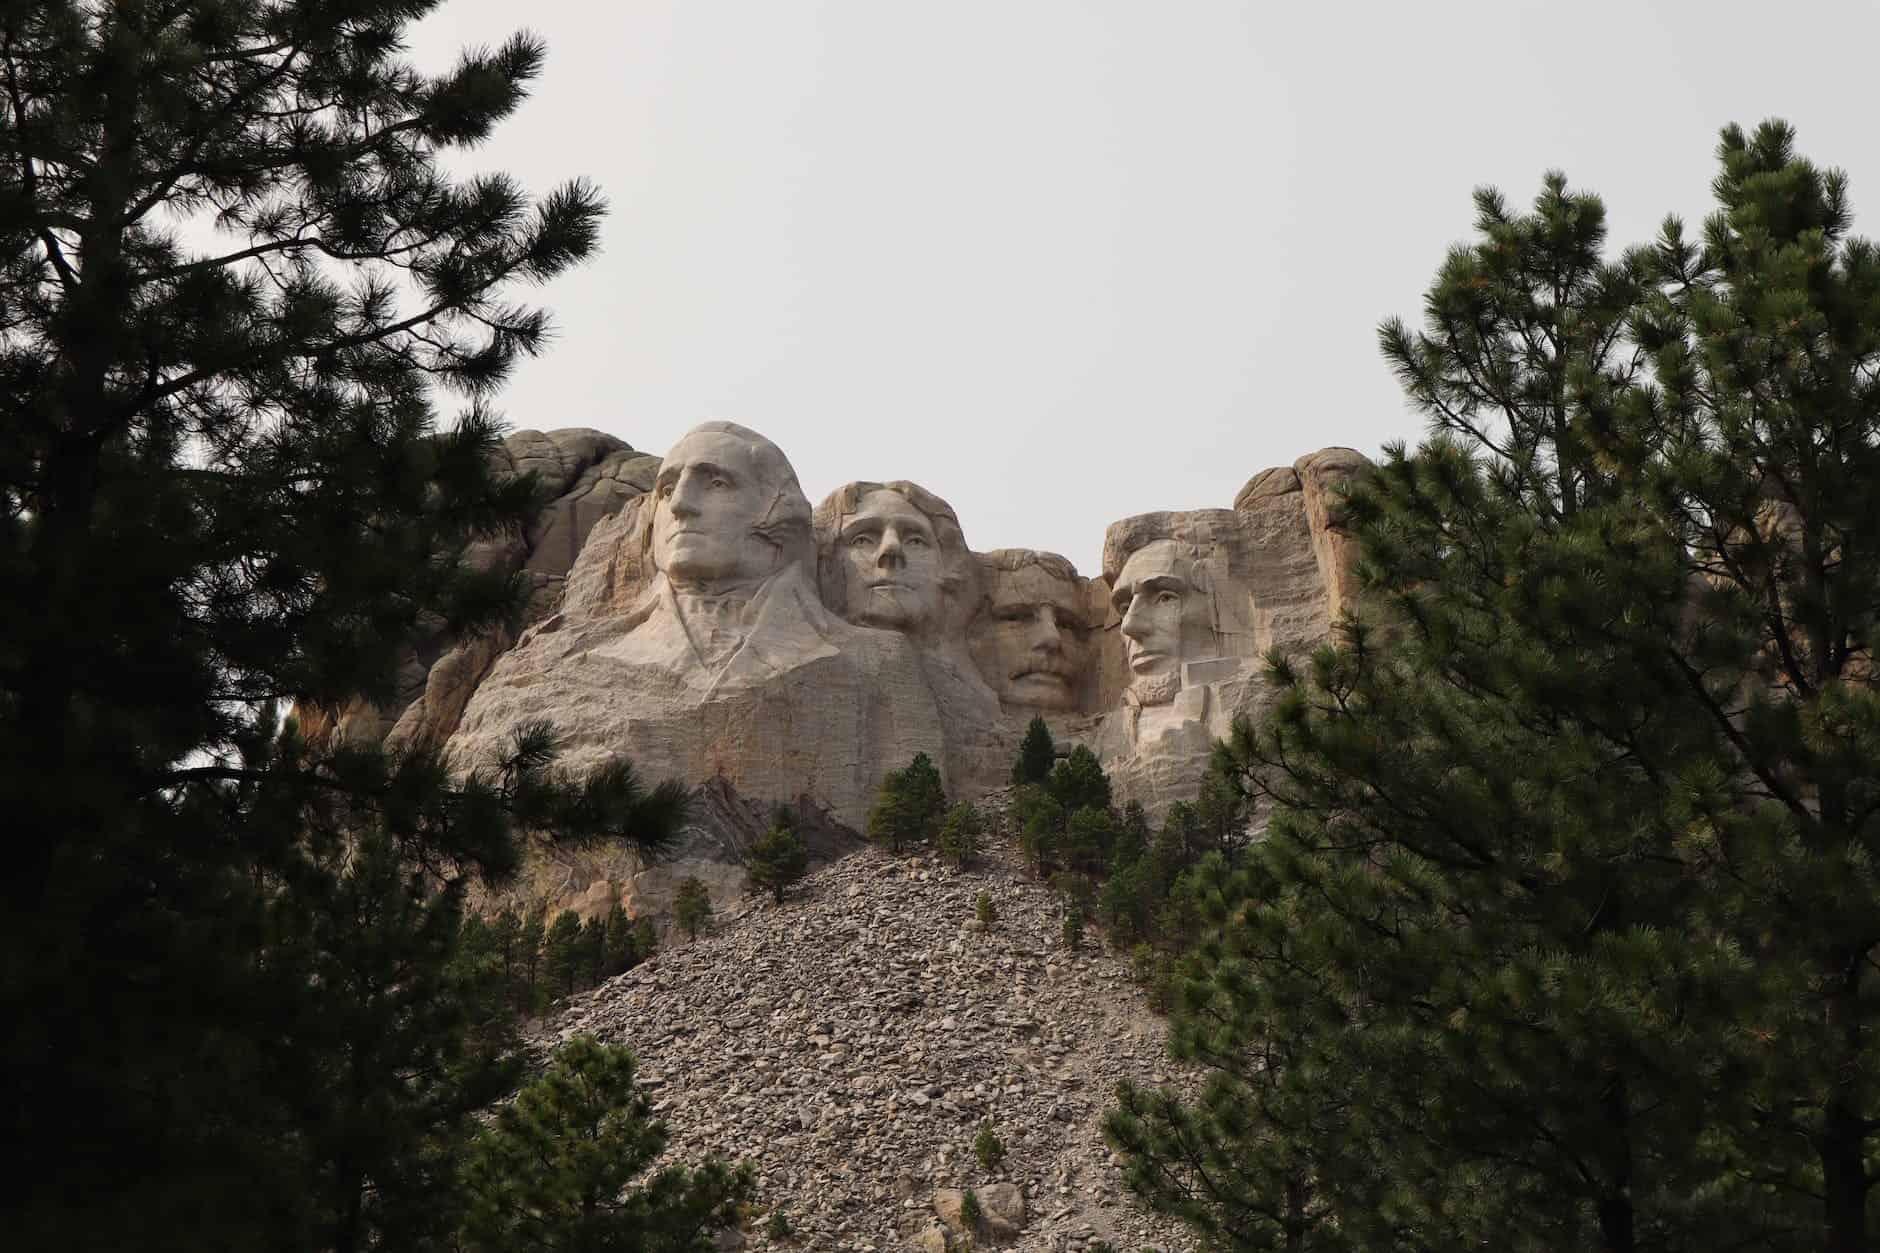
(721, 825)
(694, 614)
(693, 641)
(584, 475)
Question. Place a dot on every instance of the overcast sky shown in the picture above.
(1062, 261)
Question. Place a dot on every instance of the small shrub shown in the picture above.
(645, 939)
(960, 834)
(1074, 928)
(982, 909)
(1154, 973)
(692, 906)
(971, 1215)
(988, 1148)
(778, 1227)
(1078, 890)
(776, 861)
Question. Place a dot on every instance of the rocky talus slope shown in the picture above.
(851, 1043)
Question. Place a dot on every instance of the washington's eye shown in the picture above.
(721, 482)
(1168, 598)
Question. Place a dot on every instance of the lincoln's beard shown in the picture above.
(1156, 689)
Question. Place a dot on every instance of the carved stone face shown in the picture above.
(891, 564)
(1166, 619)
(1035, 641)
(708, 499)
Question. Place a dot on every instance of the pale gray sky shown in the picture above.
(1061, 261)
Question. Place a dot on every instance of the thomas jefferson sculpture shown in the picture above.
(893, 557)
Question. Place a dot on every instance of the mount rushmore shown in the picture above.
(696, 615)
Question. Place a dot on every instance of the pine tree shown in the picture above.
(593, 951)
(1132, 837)
(1040, 820)
(890, 819)
(1125, 904)
(692, 906)
(1089, 837)
(617, 943)
(961, 835)
(1037, 752)
(506, 936)
(532, 952)
(926, 795)
(396, 998)
(910, 805)
(554, 1172)
(1564, 902)
(645, 939)
(1078, 782)
(1074, 927)
(561, 954)
(225, 489)
(777, 860)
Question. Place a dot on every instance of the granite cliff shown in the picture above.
(696, 615)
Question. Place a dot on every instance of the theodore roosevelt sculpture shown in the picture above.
(1031, 638)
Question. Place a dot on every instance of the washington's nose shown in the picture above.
(684, 499)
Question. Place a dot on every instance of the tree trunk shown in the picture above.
(1616, 1224)
(1617, 1221)
(1844, 1179)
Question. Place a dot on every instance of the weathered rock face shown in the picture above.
(704, 649)
(721, 826)
(709, 625)
(585, 476)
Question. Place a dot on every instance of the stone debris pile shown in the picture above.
(852, 1044)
